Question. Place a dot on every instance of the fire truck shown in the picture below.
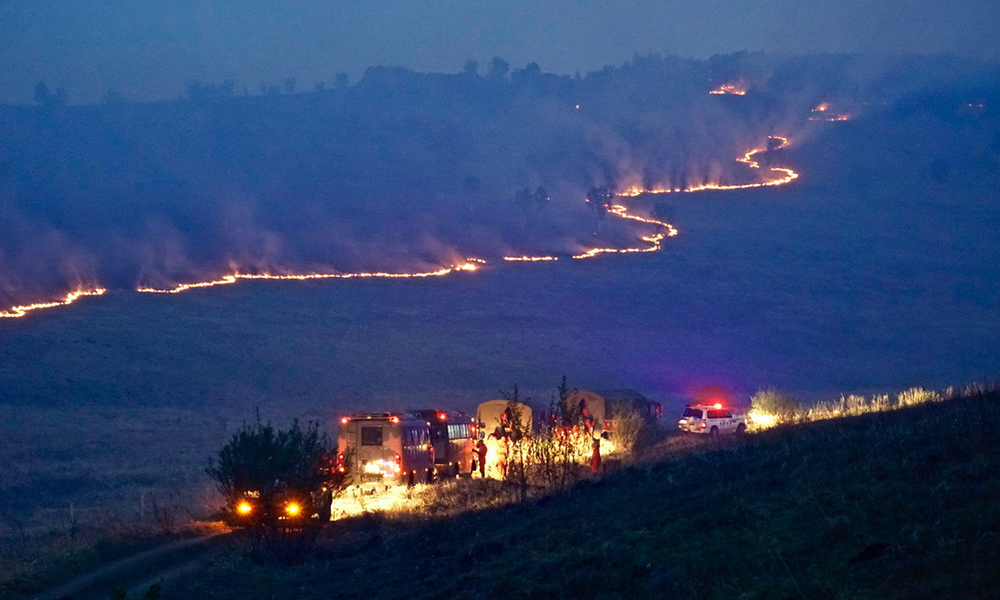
(452, 436)
(385, 448)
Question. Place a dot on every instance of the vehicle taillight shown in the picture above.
(341, 467)
(398, 462)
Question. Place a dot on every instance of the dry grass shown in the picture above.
(771, 409)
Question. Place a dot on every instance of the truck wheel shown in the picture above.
(741, 428)
(714, 432)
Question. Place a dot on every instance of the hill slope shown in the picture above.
(903, 504)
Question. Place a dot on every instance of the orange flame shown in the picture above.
(20, 311)
(787, 175)
(733, 89)
(470, 264)
(654, 241)
(530, 258)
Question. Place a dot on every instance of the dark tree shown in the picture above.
(600, 199)
(498, 68)
(340, 80)
(529, 72)
(42, 94)
(471, 67)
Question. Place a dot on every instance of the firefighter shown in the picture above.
(595, 458)
(481, 451)
(588, 419)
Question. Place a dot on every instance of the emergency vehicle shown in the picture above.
(711, 419)
(387, 448)
(452, 438)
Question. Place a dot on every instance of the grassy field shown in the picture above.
(866, 276)
(899, 504)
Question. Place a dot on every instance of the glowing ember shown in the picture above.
(471, 264)
(786, 175)
(20, 311)
(831, 118)
(821, 113)
(730, 89)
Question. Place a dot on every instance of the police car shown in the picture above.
(711, 419)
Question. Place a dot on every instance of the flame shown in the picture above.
(530, 258)
(821, 108)
(734, 89)
(70, 298)
(470, 264)
(787, 175)
(654, 241)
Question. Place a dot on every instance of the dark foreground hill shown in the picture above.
(903, 504)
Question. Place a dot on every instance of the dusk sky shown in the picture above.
(153, 48)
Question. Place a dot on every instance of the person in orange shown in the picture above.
(595, 458)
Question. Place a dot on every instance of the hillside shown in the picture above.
(408, 170)
(902, 504)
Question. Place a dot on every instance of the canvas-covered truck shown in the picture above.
(385, 448)
(597, 411)
(501, 418)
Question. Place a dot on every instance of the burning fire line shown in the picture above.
(530, 258)
(20, 311)
(747, 159)
(655, 242)
(470, 264)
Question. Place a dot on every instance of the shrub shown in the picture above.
(276, 467)
(271, 461)
(629, 427)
